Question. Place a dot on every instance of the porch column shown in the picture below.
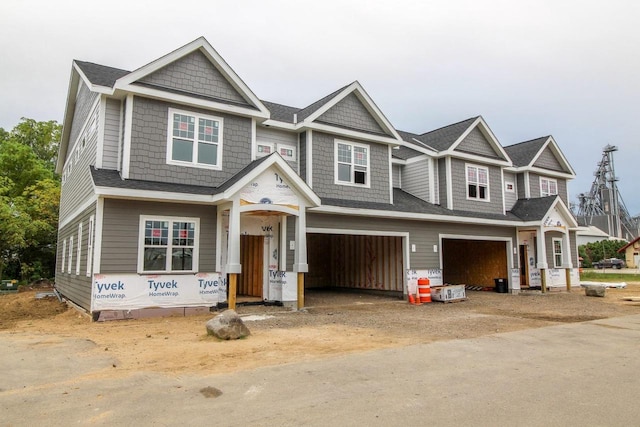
(567, 263)
(300, 255)
(233, 267)
(542, 258)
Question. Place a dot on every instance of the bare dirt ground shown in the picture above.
(333, 323)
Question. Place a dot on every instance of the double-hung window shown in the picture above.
(548, 187)
(352, 164)
(477, 183)
(194, 140)
(168, 244)
(557, 253)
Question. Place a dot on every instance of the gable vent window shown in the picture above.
(352, 164)
(194, 140)
(477, 183)
(548, 187)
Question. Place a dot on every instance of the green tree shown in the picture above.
(596, 251)
(29, 197)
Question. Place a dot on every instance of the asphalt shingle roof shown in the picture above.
(101, 75)
(533, 209)
(443, 138)
(112, 179)
(523, 153)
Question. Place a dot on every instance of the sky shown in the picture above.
(566, 68)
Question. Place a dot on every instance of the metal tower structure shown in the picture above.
(603, 205)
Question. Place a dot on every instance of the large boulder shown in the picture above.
(227, 326)
(594, 290)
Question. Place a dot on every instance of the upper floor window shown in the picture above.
(352, 164)
(168, 244)
(548, 187)
(194, 139)
(264, 149)
(477, 183)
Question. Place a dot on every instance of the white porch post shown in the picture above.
(233, 256)
(542, 258)
(567, 263)
(300, 255)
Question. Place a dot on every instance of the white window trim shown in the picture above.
(553, 247)
(335, 164)
(90, 245)
(171, 219)
(271, 145)
(293, 157)
(549, 181)
(509, 183)
(70, 260)
(64, 254)
(193, 163)
(79, 249)
(466, 179)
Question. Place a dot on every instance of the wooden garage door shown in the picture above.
(361, 262)
(251, 258)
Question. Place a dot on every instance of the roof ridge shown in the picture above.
(449, 125)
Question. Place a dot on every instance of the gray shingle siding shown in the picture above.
(476, 143)
(548, 161)
(324, 172)
(423, 234)
(111, 134)
(459, 183)
(520, 187)
(442, 182)
(149, 146)
(351, 113)
(534, 182)
(303, 156)
(396, 171)
(78, 185)
(415, 179)
(84, 101)
(276, 136)
(75, 287)
(120, 232)
(194, 73)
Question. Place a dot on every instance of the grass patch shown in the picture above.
(609, 277)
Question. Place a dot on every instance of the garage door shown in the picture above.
(473, 262)
(356, 262)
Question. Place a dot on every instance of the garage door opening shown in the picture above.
(372, 263)
(473, 262)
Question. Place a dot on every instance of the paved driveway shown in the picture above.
(579, 374)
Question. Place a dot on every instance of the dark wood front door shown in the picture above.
(252, 260)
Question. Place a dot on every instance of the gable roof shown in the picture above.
(100, 75)
(538, 209)
(525, 154)
(443, 138)
(624, 248)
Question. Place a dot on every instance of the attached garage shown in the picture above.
(355, 262)
(474, 262)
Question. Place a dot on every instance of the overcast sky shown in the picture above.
(565, 68)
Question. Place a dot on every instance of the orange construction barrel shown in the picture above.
(424, 290)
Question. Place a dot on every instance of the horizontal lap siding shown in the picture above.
(415, 179)
(111, 134)
(120, 232)
(76, 288)
(280, 137)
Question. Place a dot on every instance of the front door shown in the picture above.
(252, 260)
(524, 267)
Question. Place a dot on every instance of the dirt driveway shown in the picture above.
(333, 324)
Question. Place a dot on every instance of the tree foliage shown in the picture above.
(29, 198)
(596, 251)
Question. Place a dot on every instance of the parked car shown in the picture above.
(610, 263)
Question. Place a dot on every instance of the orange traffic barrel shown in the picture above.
(424, 290)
